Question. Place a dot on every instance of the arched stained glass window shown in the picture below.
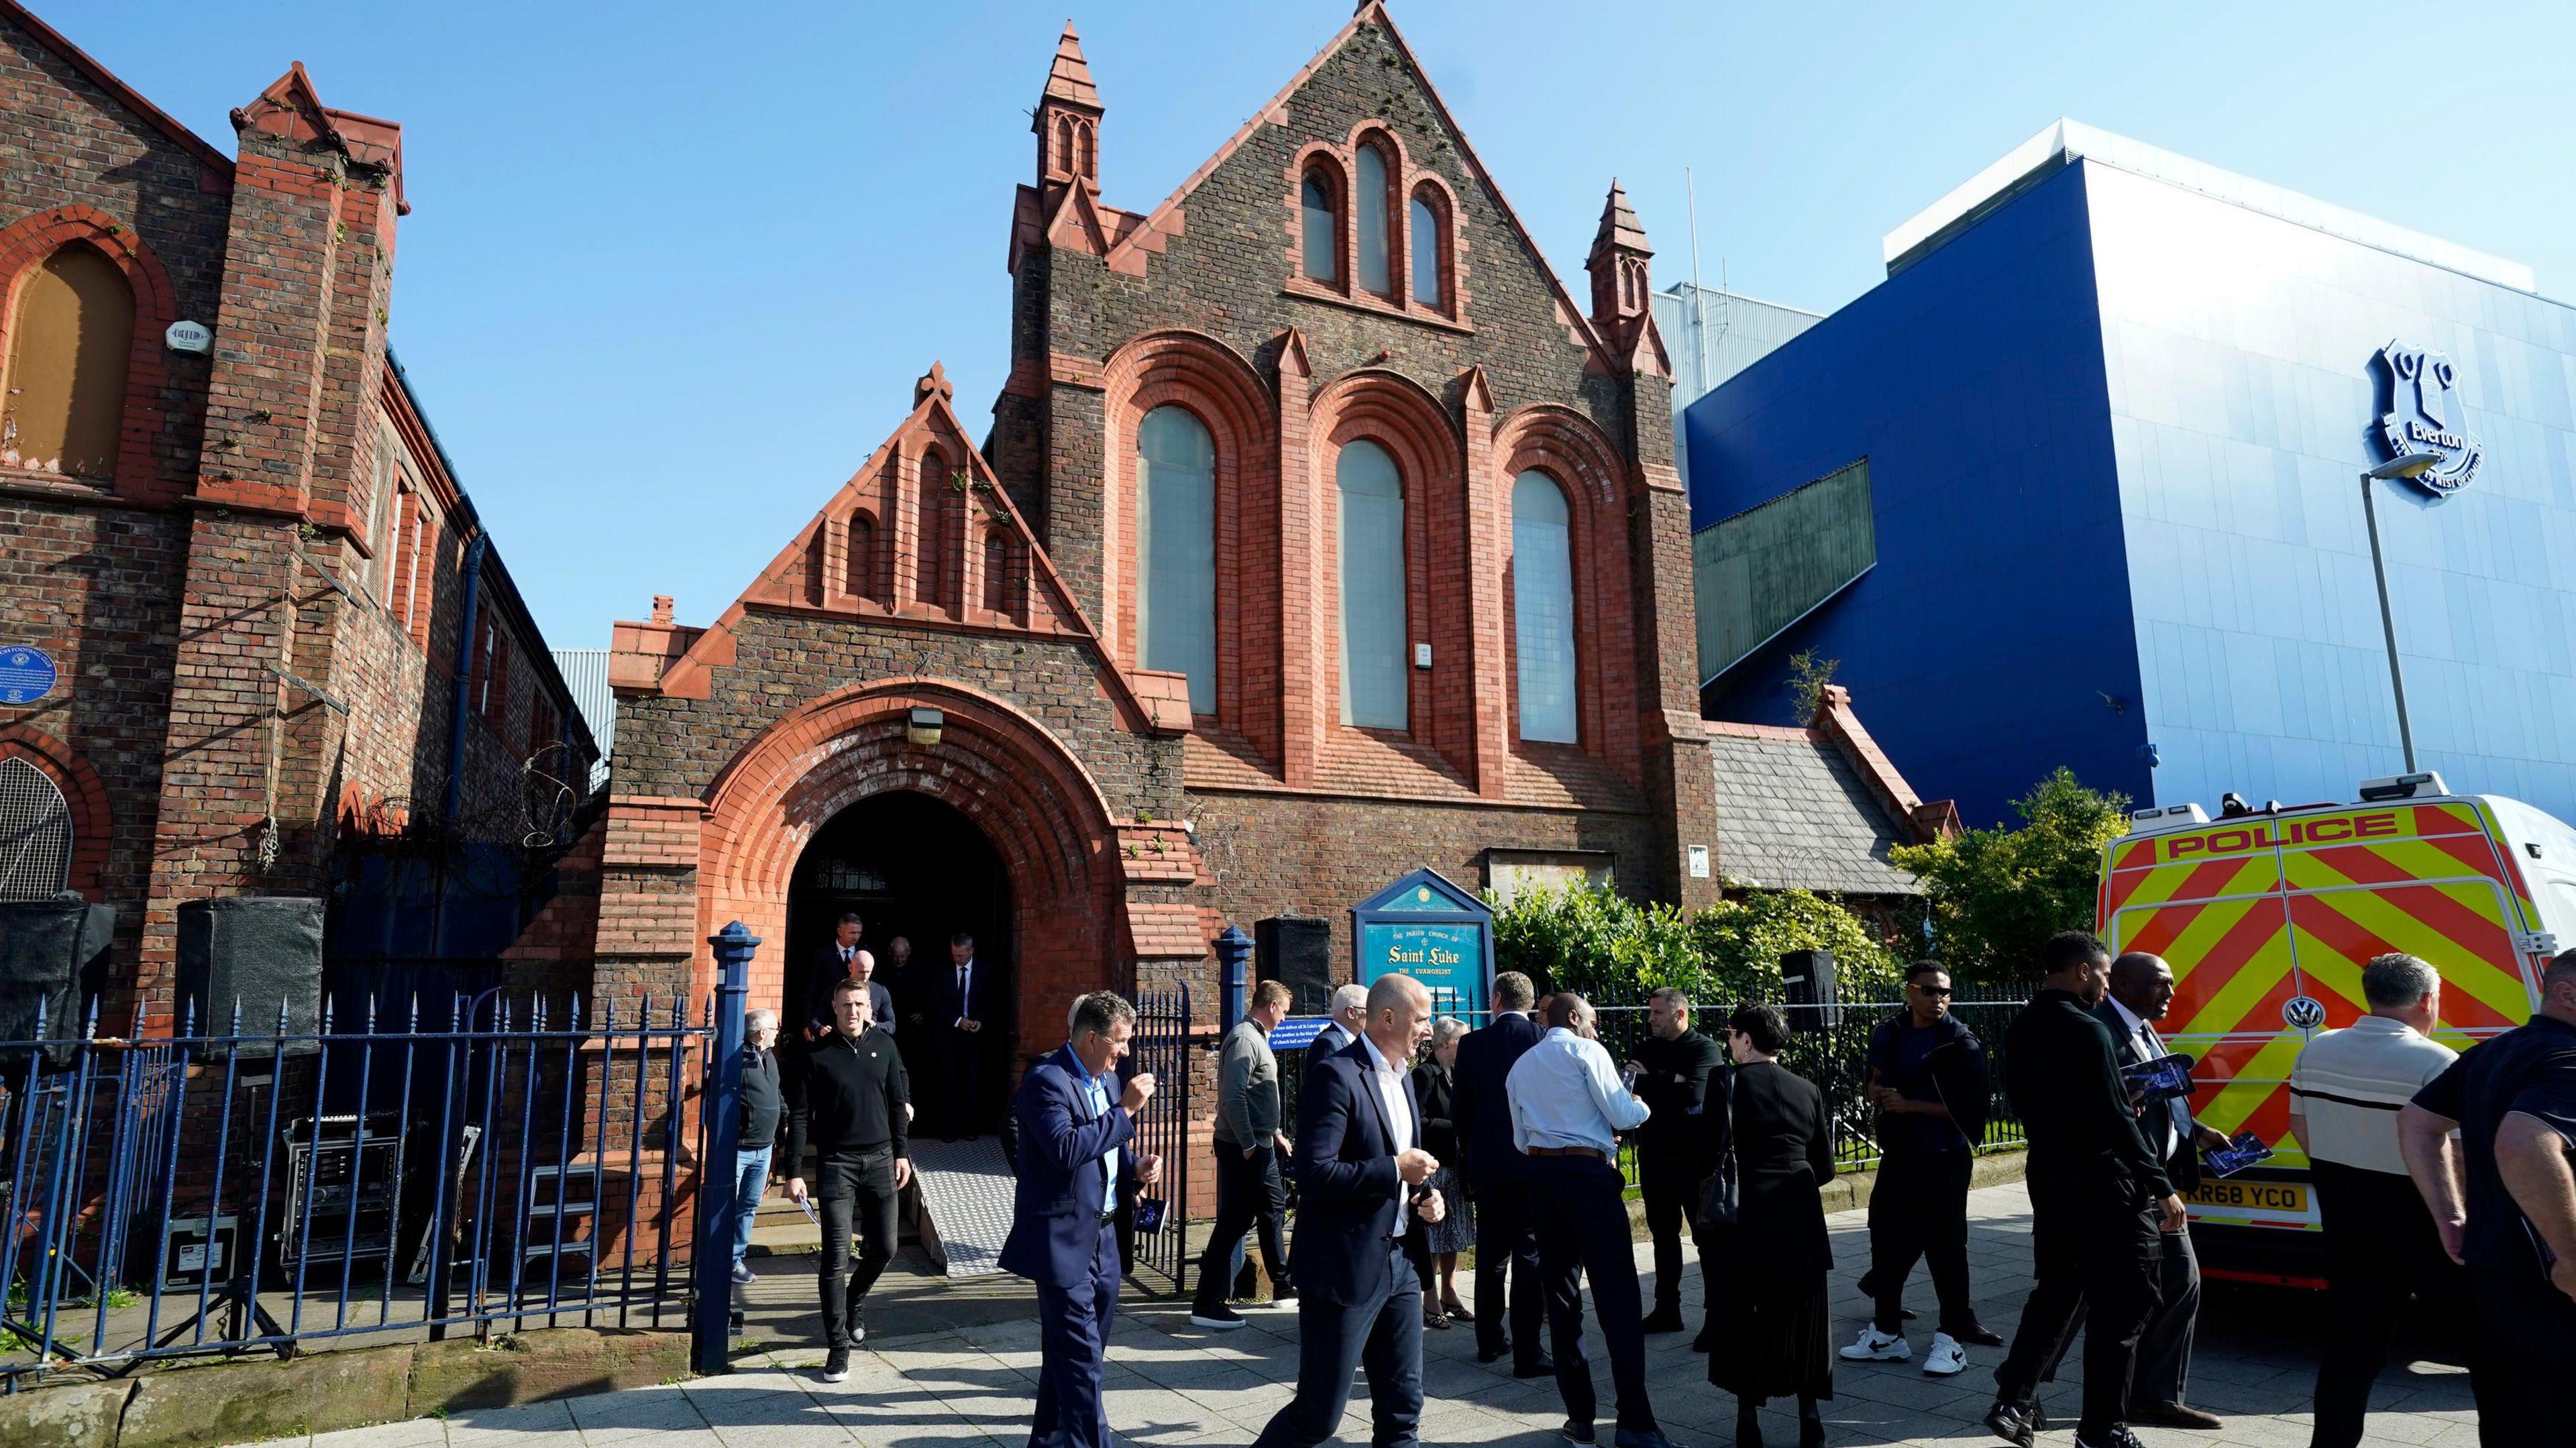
(1369, 210)
(68, 345)
(35, 834)
(1323, 238)
(1371, 494)
(1543, 608)
(1427, 247)
(1176, 550)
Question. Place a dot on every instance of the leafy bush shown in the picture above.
(1997, 894)
(1616, 950)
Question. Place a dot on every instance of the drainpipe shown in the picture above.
(464, 677)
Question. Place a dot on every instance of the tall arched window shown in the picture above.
(927, 584)
(1176, 550)
(68, 346)
(1371, 494)
(997, 572)
(1427, 247)
(1368, 209)
(1543, 608)
(35, 834)
(1322, 253)
(860, 562)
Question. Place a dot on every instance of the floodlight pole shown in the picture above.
(2409, 466)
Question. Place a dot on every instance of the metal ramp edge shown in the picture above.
(962, 1202)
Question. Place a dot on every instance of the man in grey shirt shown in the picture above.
(1248, 1144)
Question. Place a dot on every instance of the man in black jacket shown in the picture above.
(762, 1105)
(2098, 1199)
(849, 1102)
(1672, 1069)
(1497, 1174)
(1927, 1077)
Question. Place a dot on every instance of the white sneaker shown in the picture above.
(1875, 1346)
(1946, 1356)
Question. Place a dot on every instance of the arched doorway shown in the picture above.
(911, 866)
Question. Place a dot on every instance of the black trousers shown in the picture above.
(1666, 1179)
(1919, 1209)
(2530, 1330)
(961, 1080)
(1382, 1338)
(1249, 1194)
(2095, 1248)
(1507, 1238)
(1583, 1231)
(855, 1191)
(2380, 1248)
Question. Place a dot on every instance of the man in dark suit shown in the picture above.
(2142, 989)
(834, 963)
(2099, 1200)
(964, 997)
(1506, 1232)
(1349, 1008)
(1074, 1150)
(1671, 1068)
(1359, 1298)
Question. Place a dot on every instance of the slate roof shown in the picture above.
(1793, 811)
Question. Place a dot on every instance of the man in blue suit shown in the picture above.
(1074, 1150)
(1506, 1229)
(1359, 1299)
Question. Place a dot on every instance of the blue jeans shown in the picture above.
(751, 1178)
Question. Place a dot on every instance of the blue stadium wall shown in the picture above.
(1993, 640)
(2115, 431)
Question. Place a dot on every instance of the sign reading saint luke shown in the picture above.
(1434, 930)
(2424, 414)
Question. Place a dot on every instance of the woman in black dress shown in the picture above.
(1434, 1089)
(1774, 1336)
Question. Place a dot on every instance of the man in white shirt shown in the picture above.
(1568, 1103)
(2345, 1092)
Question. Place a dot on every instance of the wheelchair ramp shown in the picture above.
(962, 1203)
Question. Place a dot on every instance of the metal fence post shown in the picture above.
(711, 1312)
(1233, 949)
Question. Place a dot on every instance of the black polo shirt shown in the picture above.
(2532, 1069)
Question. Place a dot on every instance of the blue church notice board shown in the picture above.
(1434, 930)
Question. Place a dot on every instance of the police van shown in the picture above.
(2267, 916)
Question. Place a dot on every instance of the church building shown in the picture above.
(1320, 533)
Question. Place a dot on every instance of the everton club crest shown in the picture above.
(2424, 415)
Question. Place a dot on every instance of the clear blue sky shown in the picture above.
(671, 269)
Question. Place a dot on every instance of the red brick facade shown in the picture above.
(258, 612)
(1133, 831)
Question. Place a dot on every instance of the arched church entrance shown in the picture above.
(917, 870)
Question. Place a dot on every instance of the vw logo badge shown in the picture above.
(2304, 1013)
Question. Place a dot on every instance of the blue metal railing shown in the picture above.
(457, 1163)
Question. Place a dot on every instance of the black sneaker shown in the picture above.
(1976, 1334)
(2118, 1437)
(1216, 1317)
(2005, 1421)
(857, 1332)
(1663, 1319)
(1580, 1434)
(1283, 1297)
(836, 1365)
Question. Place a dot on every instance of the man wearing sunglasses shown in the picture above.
(1927, 1077)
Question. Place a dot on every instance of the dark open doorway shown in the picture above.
(911, 866)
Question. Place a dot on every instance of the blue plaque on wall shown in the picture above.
(1434, 930)
(26, 673)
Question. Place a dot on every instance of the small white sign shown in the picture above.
(1422, 656)
(189, 337)
(1699, 862)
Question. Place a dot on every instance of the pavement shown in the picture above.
(956, 1364)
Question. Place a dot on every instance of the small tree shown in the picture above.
(1808, 676)
(1996, 894)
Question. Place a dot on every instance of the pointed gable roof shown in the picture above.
(108, 81)
(1619, 226)
(1164, 220)
(1069, 80)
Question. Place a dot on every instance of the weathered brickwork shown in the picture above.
(258, 612)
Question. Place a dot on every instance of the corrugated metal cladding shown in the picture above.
(1762, 570)
(2115, 429)
(585, 672)
(1712, 334)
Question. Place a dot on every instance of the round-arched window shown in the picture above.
(1543, 608)
(1370, 492)
(1176, 550)
(35, 834)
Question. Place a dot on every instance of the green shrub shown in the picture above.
(1997, 894)
(1616, 950)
